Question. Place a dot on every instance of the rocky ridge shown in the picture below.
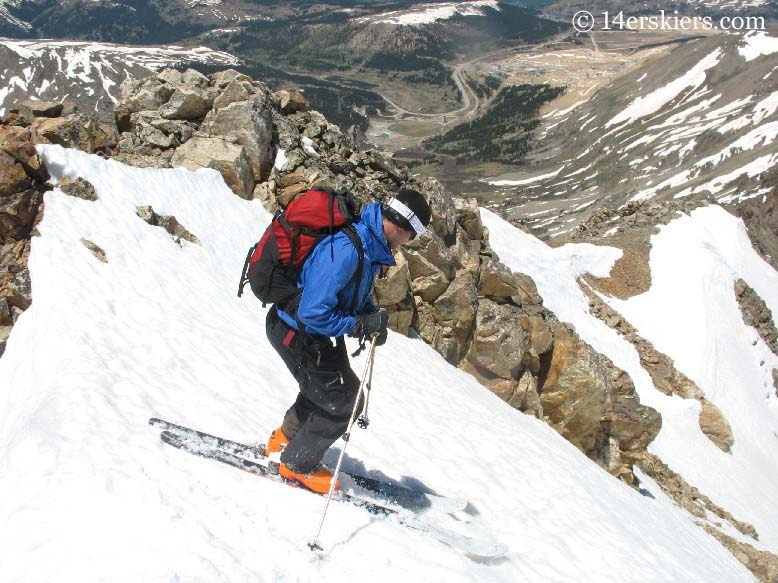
(630, 229)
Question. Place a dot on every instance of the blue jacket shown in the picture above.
(327, 293)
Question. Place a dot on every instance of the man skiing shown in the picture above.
(303, 339)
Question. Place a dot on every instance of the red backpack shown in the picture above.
(273, 265)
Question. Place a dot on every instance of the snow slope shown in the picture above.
(88, 493)
(691, 314)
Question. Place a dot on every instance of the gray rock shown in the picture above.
(236, 90)
(151, 136)
(79, 188)
(499, 342)
(35, 108)
(185, 104)
(195, 78)
(167, 222)
(96, 250)
(171, 77)
(221, 79)
(150, 93)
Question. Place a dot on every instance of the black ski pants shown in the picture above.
(328, 389)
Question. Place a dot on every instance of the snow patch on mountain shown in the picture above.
(729, 4)
(9, 18)
(428, 13)
(654, 101)
(757, 44)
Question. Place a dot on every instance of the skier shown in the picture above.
(303, 339)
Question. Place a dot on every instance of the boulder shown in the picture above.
(573, 394)
(715, 426)
(228, 159)
(249, 124)
(469, 217)
(79, 188)
(194, 78)
(291, 101)
(170, 76)
(499, 341)
(33, 108)
(221, 79)
(497, 282)
(235, 91)
(428, 281)
(594, 405)
(15, 284)
(17, 143)
(185, 104)
(96, 250)
(147, 93)
(73, 131)
(154, 137)
(167, 222)
(455, 310)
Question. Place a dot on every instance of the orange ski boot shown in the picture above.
(318, 480)
(277, 442)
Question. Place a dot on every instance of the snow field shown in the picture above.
(88, 493)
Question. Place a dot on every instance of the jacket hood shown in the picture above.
(377, 247)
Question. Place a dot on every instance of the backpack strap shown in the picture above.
(244, 276)
(352, 234)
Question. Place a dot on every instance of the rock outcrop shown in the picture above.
(22, 184)
(757, 314)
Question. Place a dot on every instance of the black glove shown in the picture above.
(374, 323)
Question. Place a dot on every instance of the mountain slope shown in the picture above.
(691, 314)
(88, 74)
(700, 122)
(90, 494)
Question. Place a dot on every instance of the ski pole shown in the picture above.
(313, 544)
(363, 421)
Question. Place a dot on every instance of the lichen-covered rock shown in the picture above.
(78, 188)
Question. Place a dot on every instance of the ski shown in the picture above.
(366, 487)
(455, 540)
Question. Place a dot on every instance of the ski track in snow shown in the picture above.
(89, 493)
